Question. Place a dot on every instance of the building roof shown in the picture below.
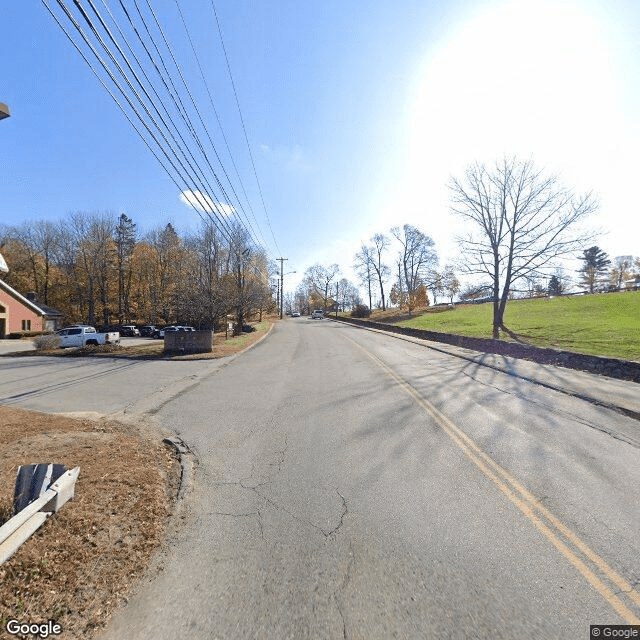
(40, 309)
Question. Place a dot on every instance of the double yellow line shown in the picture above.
(555, 531)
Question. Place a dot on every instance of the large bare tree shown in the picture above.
(520, 221)
(380, 245)
(363, 266)
(318, 279)
(416, 262)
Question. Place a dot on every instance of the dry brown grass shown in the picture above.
(78, 567)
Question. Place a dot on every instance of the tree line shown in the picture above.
(411, 273)
(598, 274)
(518, 223)
(96, 268)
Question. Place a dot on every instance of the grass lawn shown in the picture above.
(604, 324)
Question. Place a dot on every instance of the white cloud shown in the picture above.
(205, 204)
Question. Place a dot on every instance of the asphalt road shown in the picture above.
(354, 485)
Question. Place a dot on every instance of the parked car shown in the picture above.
(317, 314)
(79, 336)
(160, 332)
(180, 327)
(147, 330)
(129, 330)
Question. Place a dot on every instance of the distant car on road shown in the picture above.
(295, 314)
(317, 314)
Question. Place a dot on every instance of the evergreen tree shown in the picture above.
(555, 287)
(594, 270)
(125, 239)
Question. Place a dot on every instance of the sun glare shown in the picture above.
(532, 79)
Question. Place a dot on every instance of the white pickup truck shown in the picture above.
(81, 336)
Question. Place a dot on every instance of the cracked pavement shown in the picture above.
(327, 503)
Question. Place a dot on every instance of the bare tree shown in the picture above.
(206, 299)
(301, 298)
(369, 266)
(92, 234)
(318, 279)
(437, 286)
(363, 265)
(417, 260)
(348, 295)
(40, 243)
(450, 282)
(621, 271)
(380, 245)
(520, 221)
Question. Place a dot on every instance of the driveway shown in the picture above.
(12, 346)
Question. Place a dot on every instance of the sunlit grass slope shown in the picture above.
(606, 324)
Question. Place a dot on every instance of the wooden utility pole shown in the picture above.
(282, 261)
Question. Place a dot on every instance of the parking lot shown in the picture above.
(14, 346)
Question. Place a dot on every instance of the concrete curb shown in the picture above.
(257, 341)
(187, 464)
(185, 455)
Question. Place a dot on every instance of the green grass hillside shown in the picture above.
(605, 325)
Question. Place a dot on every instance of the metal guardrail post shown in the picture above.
(29, 519)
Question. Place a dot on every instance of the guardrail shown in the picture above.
(16, 531)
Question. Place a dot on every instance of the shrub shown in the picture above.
(18, 335)
(46, 342)
(360, 311)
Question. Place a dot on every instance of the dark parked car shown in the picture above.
(147, 330)
(129, 330)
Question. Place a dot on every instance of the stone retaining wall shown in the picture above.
(611, 367)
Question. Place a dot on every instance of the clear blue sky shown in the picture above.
(357, 113)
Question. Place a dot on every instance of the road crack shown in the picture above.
(338, 593)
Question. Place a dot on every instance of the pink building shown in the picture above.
(20, 314)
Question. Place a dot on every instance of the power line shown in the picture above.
(246, 137)
(195, 106)
(163, 148)
(215, 111)
(193, 176)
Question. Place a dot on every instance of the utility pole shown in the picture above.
(282, 261)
